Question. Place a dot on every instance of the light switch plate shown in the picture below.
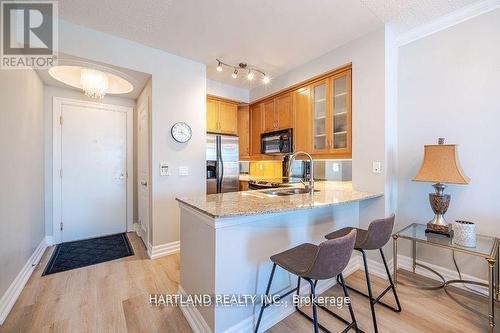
(377, 168)
(183, 171)
(336, 167)
(164, 169)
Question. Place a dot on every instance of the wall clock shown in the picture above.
(181, 132)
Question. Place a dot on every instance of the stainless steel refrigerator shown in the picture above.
(223, 169)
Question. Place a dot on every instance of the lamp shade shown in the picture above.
(441, 165)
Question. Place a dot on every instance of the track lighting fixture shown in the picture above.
(243, 66)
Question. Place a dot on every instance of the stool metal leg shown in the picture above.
(393, 287)
(263, 306)
(370, 295)
(351, 311)
(314, 306)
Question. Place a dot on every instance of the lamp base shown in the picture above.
(441, 229)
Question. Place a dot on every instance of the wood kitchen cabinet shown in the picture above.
(244, 131)
(331, 115)
(222, 116)
(319, 111)
(278, 113)
(301, 102)
(256, 128)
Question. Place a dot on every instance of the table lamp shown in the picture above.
(440, 166)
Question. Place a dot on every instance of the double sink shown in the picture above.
(288, 191)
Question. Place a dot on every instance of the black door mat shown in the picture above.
(88, 252)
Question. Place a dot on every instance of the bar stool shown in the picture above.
(378, 234)
(312, 263)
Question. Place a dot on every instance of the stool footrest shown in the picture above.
(376, 300)
(350, 325)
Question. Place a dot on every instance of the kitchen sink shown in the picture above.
(290, 191)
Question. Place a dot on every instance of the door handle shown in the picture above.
(122, 176)
(144, 183)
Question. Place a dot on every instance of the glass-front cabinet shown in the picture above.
(341, 112)
(331, 115)
(320, 116)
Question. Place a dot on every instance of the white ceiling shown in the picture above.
(273, 35)
(137, 79)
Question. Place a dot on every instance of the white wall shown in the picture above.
(178, 94)
(21, 170)
(49, 93)
(220, 89)
(449, 86)
(367, 55)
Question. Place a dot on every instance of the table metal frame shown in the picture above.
(492, 260)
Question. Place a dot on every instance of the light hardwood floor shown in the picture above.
(114, 297)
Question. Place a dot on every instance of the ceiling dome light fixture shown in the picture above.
(243, 66)
(94, 83)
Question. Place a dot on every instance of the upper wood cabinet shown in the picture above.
(269, 117)
(256, 127)
(212, 115)
(331, 115)
(319, 111)
(341, 115)
(278, 113)
(283, 111)
(244, 131)
(301, 102)
(222, 116)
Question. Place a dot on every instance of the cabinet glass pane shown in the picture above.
(319, 117)
(340, 113)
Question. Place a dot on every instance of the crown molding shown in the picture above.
(446, 21)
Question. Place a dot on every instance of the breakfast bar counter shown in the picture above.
(226, 241)
(327, 193)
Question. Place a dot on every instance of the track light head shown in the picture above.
(250, 75)
(266, 79)
(235, 74)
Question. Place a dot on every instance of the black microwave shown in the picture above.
(279, 142)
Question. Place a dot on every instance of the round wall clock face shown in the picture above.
(181, 132)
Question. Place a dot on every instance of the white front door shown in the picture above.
(142, 171)
(93, 172)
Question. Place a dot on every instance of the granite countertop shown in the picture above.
(258, 202)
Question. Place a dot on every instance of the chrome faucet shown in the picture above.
(310, 188)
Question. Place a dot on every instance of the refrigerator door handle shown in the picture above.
(220, 165)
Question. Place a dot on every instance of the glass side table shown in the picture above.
(486, 247)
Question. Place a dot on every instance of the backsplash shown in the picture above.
(340, 170)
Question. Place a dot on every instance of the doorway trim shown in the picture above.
(57, 104)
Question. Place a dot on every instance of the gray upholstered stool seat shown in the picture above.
(296, 260)
(360, 235)
(378, 234)
(312, 263)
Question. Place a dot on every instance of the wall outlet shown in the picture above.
(183, 171)
(377, 168)
(164, 169)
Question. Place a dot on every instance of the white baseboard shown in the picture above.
(162, 250)
(10, 296)
(194, 317)
(272, 315)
